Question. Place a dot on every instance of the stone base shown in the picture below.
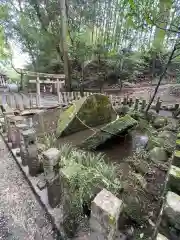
(161, 237)
(54, 190)
(105, 212)
(172, 209)
(33, 160)
(174, 179)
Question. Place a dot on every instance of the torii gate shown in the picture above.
(59, 80)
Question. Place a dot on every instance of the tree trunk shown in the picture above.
(65, 47)
(161, 77)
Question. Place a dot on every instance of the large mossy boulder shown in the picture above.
(155, 142)
(169, 140)
(160, 122)
(158, 155)
(165, 139)
(109, 131)
(88, 111)
(172, 125)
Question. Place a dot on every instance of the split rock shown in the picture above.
(90, 111)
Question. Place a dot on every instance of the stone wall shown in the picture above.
(170, 218)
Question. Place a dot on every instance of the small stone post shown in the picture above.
(125, 101)
(3, 129)
(50, 161)
(158, 105)
(143, 105)
(105, 211)
(30, 100)
(130, 102)
(29, 137)
(38, 93)
(58, 91)
(13, 130)
(136, 104)
(9, 122)
(176, 106)
(20, 128)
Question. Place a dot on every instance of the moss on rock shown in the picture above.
(108, 131)
(158, 155)
(92, 111)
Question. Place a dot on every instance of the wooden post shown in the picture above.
(38, 96)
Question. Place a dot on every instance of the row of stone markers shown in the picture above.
(22, 101)
(19, 101)
(140, 104)
(170, 218)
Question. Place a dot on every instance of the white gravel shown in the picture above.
(21, 215)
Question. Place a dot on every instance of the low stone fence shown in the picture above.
(170, 215)
(22, 101)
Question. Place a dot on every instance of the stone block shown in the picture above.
(93, 110)
(41, 148)
(33, 160)
(3, 124)
(176, 158)
(23, 153)
(41, 184)
(161, 237)
(29, 137)
(50, 159)
(108, 131)
(53, 189)
(105, 212)
(18, 152)
(172, 209)
(20, 127)
(174, 179)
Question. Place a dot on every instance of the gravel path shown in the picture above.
(21, 215)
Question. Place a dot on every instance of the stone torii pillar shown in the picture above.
(38, 93)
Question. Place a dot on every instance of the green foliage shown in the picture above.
(97, 30)
(95, 173)
(87, 174)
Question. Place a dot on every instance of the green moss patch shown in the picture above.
(86, 112)
(108, 131)
(178, 136)
(177, 154)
